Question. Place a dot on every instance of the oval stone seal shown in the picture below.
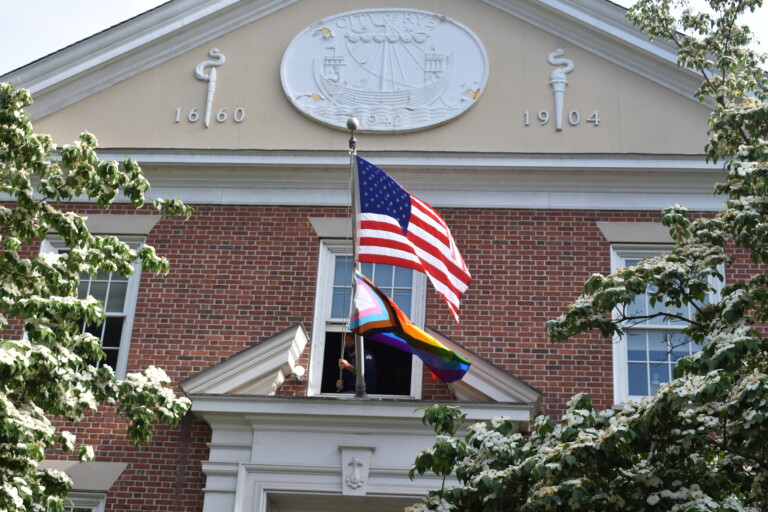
(396, 70)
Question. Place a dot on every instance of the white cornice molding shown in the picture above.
(471, 180)
(408, 160)
(613, 182)
(461, 180)
(127, 49)
(313, 414)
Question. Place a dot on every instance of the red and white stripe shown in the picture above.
(428, 247)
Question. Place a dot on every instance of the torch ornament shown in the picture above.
(209, 77)
(558, 81)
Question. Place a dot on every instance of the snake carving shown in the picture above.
(209, 77)
(558, 81)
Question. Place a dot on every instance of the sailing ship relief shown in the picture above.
(395, 70)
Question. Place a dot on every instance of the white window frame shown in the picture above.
(620, 253)
(79, 500)
(329, 249)
(53, 243)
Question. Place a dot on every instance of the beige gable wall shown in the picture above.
(637, 116)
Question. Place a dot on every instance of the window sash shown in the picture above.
(640, 361)
(327, 321)
(651, 354)
(396, 282)
(115, 331)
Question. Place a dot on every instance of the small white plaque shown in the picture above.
(396, 70)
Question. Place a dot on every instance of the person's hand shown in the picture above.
(344, 365)
(339, 385)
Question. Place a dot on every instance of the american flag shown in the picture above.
(399, 229)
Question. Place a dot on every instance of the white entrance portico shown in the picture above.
(272, 453)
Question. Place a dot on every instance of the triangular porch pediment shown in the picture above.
(262, 368)
(257, 370)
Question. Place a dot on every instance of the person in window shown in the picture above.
(347, 364)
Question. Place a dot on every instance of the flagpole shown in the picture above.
(353, 124)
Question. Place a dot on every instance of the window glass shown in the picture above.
(342, 279)
(118, 296)
(651, 354)
(645, 356)
(638, 378)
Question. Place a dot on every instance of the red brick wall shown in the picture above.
(527, 265)
(240, 274)
(164, 476)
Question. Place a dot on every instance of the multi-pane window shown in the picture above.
(112, 291)
(397, 371)
(117, 295)
(655, 345)
(645, 356)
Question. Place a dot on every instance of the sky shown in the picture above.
(40, 27)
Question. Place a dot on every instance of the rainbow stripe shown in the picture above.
(377, 317)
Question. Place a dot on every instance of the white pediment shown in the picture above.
(257, 370)
(262, 368)
(631, 133)
(159, 35)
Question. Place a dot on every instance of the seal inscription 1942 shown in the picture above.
(396, 70)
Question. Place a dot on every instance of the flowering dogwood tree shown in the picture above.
(700, 443)
(47, 365)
